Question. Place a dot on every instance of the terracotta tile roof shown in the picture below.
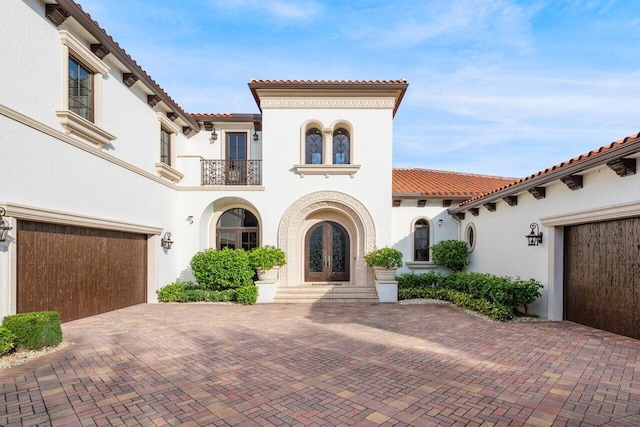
(329, 82)
(427, 182)
(99, 33)
(587, 160)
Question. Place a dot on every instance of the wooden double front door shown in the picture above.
(327, 253)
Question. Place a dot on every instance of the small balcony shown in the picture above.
(231, 172)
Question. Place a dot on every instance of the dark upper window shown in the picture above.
(237, 228)
(80, 89)
(421, 240)
(313, 147)
(341, 147)
(165, 146)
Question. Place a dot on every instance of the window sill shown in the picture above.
(74, 124)
(166, 171)
(420, 265)
(326, 170)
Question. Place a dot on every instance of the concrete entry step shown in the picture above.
(326, 293)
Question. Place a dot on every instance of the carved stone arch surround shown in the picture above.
(290, 229)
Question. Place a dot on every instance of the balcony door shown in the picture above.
(327, 253)
(236, 149)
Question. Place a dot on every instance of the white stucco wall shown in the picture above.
(501, 247)
(403, 220)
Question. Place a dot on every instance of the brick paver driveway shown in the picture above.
(324, 365)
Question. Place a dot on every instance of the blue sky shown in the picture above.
(495, 86)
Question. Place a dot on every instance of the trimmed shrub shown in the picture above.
(247, 295)
(191, 292)
(34, 330)
(217, 270)
(267, 257)
(173, 292)
(419, 281)
(384, 257)
(453, 254)
(495, 296)
(7, 341)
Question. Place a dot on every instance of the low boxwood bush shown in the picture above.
(217, 270)
(34, 330)
(485, 293)
(7, 341)
(191, 292)
(247, 295)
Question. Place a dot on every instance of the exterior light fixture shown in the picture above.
(255, 136)
(214, 135)
(440, 222)
(166, 241)
(4, 226)
(535, 237)
(190, 219)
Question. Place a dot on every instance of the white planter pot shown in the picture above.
(385, 274)
(268, 275)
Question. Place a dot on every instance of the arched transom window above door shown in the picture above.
(326, 150)
(237, 229)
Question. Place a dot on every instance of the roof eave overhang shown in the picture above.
(94, 29)
(554, 175)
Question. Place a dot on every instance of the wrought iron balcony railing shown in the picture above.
(231, 172)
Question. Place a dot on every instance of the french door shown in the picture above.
(236, 170)
(327, 253)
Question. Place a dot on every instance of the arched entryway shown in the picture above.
(327, 249)
(326, 210)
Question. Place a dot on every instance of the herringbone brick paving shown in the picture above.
(314, 365)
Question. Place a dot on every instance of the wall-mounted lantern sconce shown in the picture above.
(255, 136)
(214, 135)
(4, 226)
(535, 237)
(440, 222)
(166, 241)
(190, 219)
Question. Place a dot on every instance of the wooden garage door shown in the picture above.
(78, 271)
(602, 275)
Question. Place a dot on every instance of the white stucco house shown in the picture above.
(100, 166)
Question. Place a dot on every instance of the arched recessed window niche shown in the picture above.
(313, 147)
(341, 147)
(237, 229)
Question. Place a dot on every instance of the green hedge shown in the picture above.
(34, 330)
(497, 291)
(217, 270)
(191, 292)
(7, 341)
(247, 295)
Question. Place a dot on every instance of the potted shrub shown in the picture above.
(266, 260)
(385, 261)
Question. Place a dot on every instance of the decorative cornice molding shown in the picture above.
(308, 103)
(168, 172)
(84, 54)
(620, 211)
(31, 213)
(73, 123)
(326, 170)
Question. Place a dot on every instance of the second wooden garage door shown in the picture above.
(602, 275)
(78, 271)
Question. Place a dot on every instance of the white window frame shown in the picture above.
(420, 265)
(71, 122)
(327, 168)
(166, 170)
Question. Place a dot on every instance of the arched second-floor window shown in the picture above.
(237, 228)
(421, 240)
(313, 147)
(341, 147)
